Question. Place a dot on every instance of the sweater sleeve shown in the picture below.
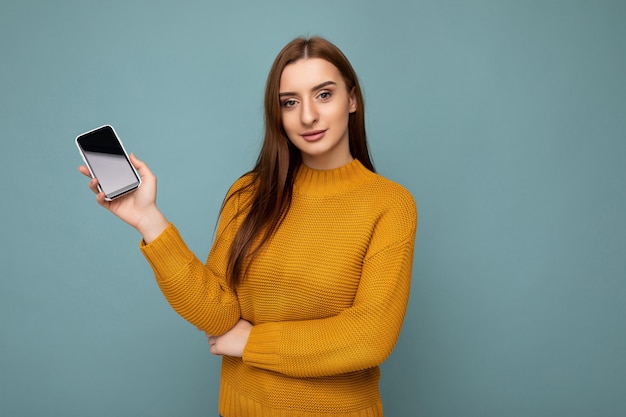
(198, 292)
(359, 337)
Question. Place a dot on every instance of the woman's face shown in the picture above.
(315, 107)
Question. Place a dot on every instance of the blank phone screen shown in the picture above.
(108, 161)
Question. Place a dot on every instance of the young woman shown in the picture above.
(305, 288)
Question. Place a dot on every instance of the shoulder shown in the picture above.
(242, 183)
(393, 212)
(244, 187)
(392, 194)
(239, 195)
(395, 207)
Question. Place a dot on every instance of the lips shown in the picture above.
(313, 135)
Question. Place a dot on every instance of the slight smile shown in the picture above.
(313, 135)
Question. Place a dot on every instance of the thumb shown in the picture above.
(141, 166)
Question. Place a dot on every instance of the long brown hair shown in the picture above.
(279, 159)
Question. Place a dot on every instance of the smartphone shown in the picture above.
(104, 155)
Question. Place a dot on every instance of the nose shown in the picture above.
(309, 114)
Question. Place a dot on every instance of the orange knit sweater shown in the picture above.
(327, 296)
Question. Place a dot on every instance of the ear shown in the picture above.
(352, 100)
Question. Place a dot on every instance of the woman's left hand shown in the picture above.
(233, 342)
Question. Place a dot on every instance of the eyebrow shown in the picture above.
(317, 87)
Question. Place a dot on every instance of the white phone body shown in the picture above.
(107, 160)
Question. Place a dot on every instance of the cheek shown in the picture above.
(338, 111)
(289, 122)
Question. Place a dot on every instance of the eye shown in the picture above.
(325, 95)
(288, 103)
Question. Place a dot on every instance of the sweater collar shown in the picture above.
(311, 181)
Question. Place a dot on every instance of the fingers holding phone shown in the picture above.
(107, 160)
(123, 184)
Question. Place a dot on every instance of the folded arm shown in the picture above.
(358, 338)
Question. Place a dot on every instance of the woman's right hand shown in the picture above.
(138, 208)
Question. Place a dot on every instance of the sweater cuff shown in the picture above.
(261, 350)
(168, 253)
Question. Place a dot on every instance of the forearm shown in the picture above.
(192, 289)
(302, 349)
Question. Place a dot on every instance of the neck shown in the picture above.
(327, 162)
(331, 181)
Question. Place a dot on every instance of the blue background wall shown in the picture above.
(505, 119)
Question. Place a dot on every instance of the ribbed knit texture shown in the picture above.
(327, 296)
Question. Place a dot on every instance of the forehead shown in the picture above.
(307, 73)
